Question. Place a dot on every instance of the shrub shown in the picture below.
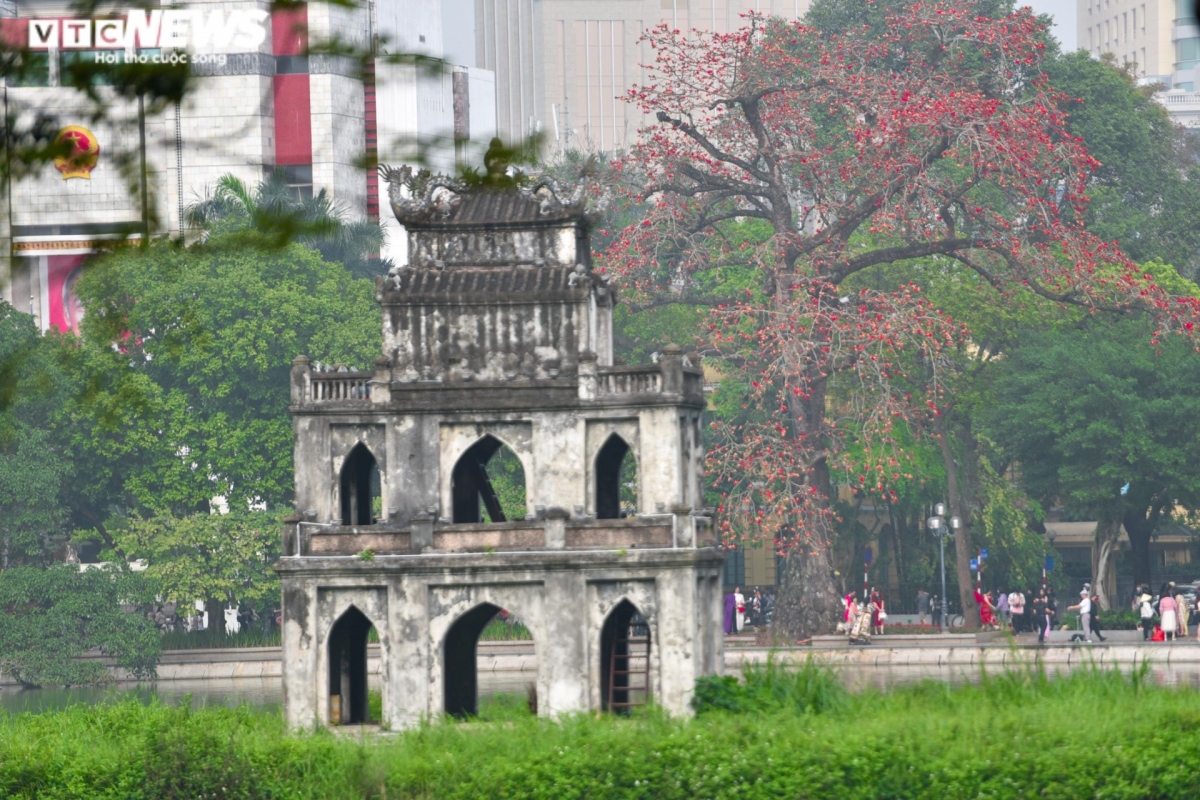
(777, 734)
(51, 616)
(811, 689)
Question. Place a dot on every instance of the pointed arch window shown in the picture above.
(488, 479)
(624, 659)
(616, 480)
(360, 487)
(348, 699)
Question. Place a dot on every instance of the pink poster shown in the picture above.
(61, 274)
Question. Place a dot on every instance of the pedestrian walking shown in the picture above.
(849, 612)
(878, 615)
(922, 605)
(1041, 615)
(740, 601)
(1168, 610)
(1185, 613)
(1016, 608)
(1084, 607)
(1002, 607)
(1145, 611)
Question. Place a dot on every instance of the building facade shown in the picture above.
(497, 342)
(264, 97)
(1159, 38)
(561, 66)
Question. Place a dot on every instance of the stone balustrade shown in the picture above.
(681, 529)
(671, 377)
(334, 386)
(629, 380)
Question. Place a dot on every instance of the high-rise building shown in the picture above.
(262, 100)
(1159, 37)
(561, 65)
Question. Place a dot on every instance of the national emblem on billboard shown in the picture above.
(79, 152)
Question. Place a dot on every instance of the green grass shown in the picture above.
(1014, 735)
(499, 630)
(215, 638)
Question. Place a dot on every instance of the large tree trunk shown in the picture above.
(1108, 531)
(807, 602)
(962, 536)
(1139, 527)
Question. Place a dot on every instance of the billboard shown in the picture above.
(64, 310)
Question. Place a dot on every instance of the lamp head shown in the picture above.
(934, 523)
(940, 509)
(955, 523)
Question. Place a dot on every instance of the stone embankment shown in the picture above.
(963, 653)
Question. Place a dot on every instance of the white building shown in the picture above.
(261, 101)
(562, 65)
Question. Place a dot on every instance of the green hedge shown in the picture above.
(1015, 735)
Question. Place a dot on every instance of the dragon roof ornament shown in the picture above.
(420, 198)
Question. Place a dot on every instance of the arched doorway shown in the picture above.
(461, 689)
(488, 478)
(624, 660)
(616, 480)
(360, 486)
(348, 697)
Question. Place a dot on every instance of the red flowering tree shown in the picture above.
(938, 140)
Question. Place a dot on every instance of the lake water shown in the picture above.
(267, 693)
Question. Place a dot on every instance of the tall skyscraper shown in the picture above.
(561, 65)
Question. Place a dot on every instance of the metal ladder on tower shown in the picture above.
(629, 663)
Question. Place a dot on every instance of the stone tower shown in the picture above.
(496, 381)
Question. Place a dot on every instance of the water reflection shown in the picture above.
(860, 678)
(267, 693)
(230, 692)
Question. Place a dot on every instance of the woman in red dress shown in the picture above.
(987, 616)
(876, 613)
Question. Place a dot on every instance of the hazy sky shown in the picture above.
(1063, 12)
(458, 26)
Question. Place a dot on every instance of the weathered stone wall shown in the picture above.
(563, 598)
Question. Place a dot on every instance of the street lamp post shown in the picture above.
(937, 524)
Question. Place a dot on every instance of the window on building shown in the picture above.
(299, 179)
(1135, 23)
(616, 480)
(1187, 53)
(474, 491)
(1125, 28)
(1185, 12)
(291, 65)
(360, 487)
(1143, 19)
(348, 696)
(30, 69)
(87, 67)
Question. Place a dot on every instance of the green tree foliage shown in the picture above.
(507, 476)
(275, 210)
(1085, 411)
(1145, 193)
(31, 477)
(224, 557)
(32, 468)
(186, 355)
(50, 616)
